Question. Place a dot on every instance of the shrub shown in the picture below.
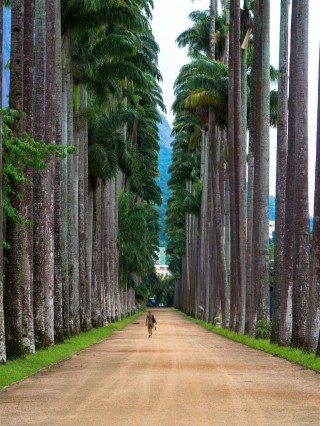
(263, 329)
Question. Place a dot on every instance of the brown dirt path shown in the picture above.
(183, 376)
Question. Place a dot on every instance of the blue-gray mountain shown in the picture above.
(6, 54)
(165, 152)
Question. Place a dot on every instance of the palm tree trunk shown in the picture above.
(27, 234)
(96, 254)
(233, 231)
(282, 152)
(2, 331)
(62, 192)
(85, 313)
(261, 161)
(239, 175)
(202, 224)
(44, 126)
(108, 252)
(73, 214)
(299, 82)
(16, 264)
(251, 295)
(313, 316)
(60, 257)
(89, 242)
(102, 289)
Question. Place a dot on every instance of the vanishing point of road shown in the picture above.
(184, 375)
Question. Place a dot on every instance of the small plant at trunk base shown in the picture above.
(263, 329)
(217, 321)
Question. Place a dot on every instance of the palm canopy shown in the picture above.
(197, 37)
(203, 85)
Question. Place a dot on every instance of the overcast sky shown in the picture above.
(170, 18)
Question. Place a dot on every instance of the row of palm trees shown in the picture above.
(218, 213)
(81, 139)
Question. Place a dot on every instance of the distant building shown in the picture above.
(162, 270)
(272, 227)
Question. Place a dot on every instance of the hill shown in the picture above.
(165, 152)
(6, 54)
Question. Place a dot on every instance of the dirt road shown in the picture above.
(184, 375)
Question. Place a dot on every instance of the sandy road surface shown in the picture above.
(184, 376)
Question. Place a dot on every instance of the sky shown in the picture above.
(170, 18)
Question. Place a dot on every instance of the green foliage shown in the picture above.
(162, 289)
(19, 153)
(263, 329)
(138, 238)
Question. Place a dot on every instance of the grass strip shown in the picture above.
(290, 354)
(18, 369)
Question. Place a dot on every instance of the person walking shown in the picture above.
(150, 322)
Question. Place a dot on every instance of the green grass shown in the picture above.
(19, 369)
(294, 355)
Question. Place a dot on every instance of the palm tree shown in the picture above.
(60, 234)
(17, 265)
(239, 188)
(295, 290)
(282, 149)
(2, 331)
(260, 261)
(301, 270)
(313, 315)
(44, 123)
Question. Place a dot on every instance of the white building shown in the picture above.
(162, 270)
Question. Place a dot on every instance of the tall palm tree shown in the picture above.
(301, 270)
(313, 316)
(60, 233)
(43, 182)
(27, 235)
(295, 290)
(260, 261)
(239, 187)
(2, 331)
(282, 149)
(16, 267)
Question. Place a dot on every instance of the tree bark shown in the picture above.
(27, 233)
(282, 152)
(44, 126)
(85, 308)
(313, 316)
(3, 356)
(73, 212)
(60, 257)
(301, 266)
(62, 184)
(17, 256)
(261, 162)
(96, 255)
(234, 271)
